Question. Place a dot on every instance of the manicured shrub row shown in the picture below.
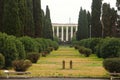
(13, 48)
(104, 48)
(85, 51)
(21, 65)
(112, 65)
(2, 61)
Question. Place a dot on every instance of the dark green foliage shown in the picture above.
(9, 50)
(80, 49)
(55, 45)
(30, 44)
(117, 4)
(37, 16)
(85, 51)
(11, 20)
(33, 57)
(47, 29)
(1, 15)
(22, 14)
(109, 17)
(85, 43)
(2, 61)
(56, 39)
(82, 32)
(21, 65)
(40, 44)
(93, 42)
(89, 23)
(29, 29)
(110, 48)
(20, 49)
(95, 18)
(112, 65)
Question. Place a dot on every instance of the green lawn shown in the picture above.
(51, 66)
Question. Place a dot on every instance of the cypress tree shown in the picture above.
(89, 23)
(118, 19)
(11, 21)
(48, 33)
(95, 20)
(1, 15)
(37, 15)
(82, 32)
(108, 18)
(29, 29)
(22, 15)
(43, 24)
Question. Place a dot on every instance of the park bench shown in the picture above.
(16, 74)
(114, 75)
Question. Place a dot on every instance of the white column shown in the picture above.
(71, 32)
(67, 33)
(76, 28)
(57, 31)
(62, 34)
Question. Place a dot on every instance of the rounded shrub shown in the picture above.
(41, 44)
(30, 44)
(55, 45)
(2, 61)
(33, 57)
(10, 51)
(110, 48)
(93, 42)
(112, 65)
(81, 49)
(21, 65)
(85, 51)
(20, 49)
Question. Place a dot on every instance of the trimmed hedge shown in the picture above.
(33, 57)
(30, 44)
(108, 48)
(112, 65)
(85, 51)
(2, 61)
(13, 48)
(103, 48)
(21, 65)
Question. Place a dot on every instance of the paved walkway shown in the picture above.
(56, 79)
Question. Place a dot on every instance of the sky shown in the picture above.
(67, 11)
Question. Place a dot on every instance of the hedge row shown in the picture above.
(13, 48)
(103, 48)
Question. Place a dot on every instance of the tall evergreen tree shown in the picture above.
(1, 15)
(89, 23)
(108, 18)
(29, 29)
(43, 24)
(118, 19)
(95, 20)
(11, 21)
(48, 32)
(22, 14)
(82, 32)
(37, 15)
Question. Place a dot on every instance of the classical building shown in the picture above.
(65, 32)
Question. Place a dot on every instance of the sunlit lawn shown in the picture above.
(51, 66)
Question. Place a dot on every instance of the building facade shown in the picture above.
(64, 32)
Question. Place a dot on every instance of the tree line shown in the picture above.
(103, 21)
(25, 18)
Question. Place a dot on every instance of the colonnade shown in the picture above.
(64, 32)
